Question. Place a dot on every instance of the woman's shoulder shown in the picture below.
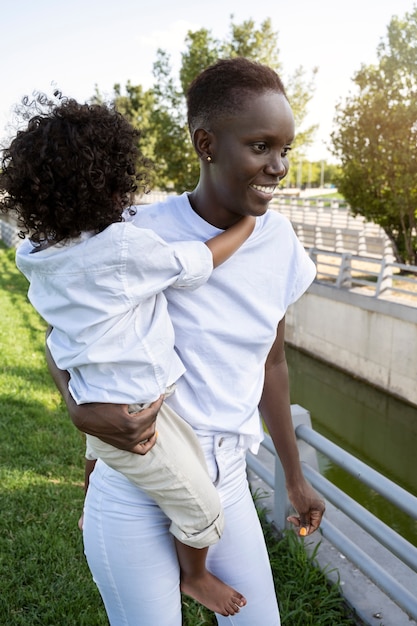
(166, 206)
(274, 216)
(273, 220)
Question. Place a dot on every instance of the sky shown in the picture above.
(77, 45)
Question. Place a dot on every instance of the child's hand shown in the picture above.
(81, 522)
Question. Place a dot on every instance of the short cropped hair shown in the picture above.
(72, 168)
(220, 89)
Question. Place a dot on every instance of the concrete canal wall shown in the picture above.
(373, 339)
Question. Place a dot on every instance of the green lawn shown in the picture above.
(44, 579)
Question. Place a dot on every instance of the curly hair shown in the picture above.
(221, 88)
(72, 169)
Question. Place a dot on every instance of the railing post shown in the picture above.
(300, 416)
(362, 246)
(300, 233)
(339, 240)
(281, 502)
(344, 278)
(318, 239)
(384, 281)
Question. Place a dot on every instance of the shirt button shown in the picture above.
(221, 441)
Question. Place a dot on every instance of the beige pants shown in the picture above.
(174, 474)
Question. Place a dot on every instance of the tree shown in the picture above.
(165, 122)
(376, 139)
(174, 152)
(137, 106)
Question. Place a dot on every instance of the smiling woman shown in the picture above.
(242, 140)
(229, 333)
(248, 157)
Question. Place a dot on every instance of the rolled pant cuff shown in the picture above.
(203, 538)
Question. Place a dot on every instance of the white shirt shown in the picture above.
(225, 330)
(102, 295)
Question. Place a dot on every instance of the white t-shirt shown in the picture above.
(102, 295)
(225, 329)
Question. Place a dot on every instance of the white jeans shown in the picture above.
(132, 557)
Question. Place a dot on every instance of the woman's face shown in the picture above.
(249, 157)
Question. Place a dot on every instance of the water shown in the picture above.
(370, 424)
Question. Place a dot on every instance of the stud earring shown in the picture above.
(208, 158)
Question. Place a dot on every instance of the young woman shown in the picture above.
(230, 336)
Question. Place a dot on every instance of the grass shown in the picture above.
(44, 579)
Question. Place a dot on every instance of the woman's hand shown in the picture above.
(113, 424)
(309, 506)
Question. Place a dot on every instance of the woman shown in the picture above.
(230, 336)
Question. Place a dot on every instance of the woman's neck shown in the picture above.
(209, 209)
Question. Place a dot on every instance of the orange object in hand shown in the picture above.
(303, 531)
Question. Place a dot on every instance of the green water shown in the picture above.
(370, 424)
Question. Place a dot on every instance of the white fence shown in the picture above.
(328, 225)
(377, 277)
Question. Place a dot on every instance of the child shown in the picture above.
(98, 280)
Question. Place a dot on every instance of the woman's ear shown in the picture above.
(203, 143)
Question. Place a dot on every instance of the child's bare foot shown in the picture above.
(213, 593)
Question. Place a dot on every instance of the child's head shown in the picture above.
(72, 169)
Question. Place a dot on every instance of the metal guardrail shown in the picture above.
(383, 534)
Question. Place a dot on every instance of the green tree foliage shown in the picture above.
(376, 139)
(202, 51)
(137, 106)
(162, 112)
(174, 153)
(260, 44)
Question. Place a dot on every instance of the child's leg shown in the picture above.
(200, 584)
(174, 474)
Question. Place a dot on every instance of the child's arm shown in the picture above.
(224, 245)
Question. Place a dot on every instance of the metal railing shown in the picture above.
(309, 443)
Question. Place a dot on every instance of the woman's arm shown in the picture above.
(224, 245)
(110, 422)
(275, 409)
